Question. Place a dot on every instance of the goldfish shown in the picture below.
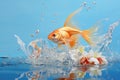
(68, 35)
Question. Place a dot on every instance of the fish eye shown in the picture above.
(54, 35)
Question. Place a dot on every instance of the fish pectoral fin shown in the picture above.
(73, 41)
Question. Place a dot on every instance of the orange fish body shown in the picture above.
(68, 34)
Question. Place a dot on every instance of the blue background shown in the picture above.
(23, 17)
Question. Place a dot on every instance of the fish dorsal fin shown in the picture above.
(71, 31)
(67, 22)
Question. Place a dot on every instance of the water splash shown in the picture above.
(106, 39)
(38, 52)
(22, 45)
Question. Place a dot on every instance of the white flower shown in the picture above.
(94, 61)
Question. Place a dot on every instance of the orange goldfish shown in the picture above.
(68, 35)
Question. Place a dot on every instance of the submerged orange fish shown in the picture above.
(68, 35)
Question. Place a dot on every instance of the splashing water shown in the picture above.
(40, 54)
(106, 39)
(38, 51)
(22, 44)
(89, 61)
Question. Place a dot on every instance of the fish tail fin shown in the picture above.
(88, 35)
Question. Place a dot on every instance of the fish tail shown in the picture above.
(88, 35)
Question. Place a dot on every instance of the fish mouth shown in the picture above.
(49, 37)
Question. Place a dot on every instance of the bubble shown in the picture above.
(37, 31)
(88, 8)
(84, 4)
(94, 2)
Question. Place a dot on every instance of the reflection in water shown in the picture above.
(63, 73)
(35, 75)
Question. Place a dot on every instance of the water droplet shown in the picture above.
(37, 31)
(84, 4)
(88, 8)
(94, 2)
(32, 35)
